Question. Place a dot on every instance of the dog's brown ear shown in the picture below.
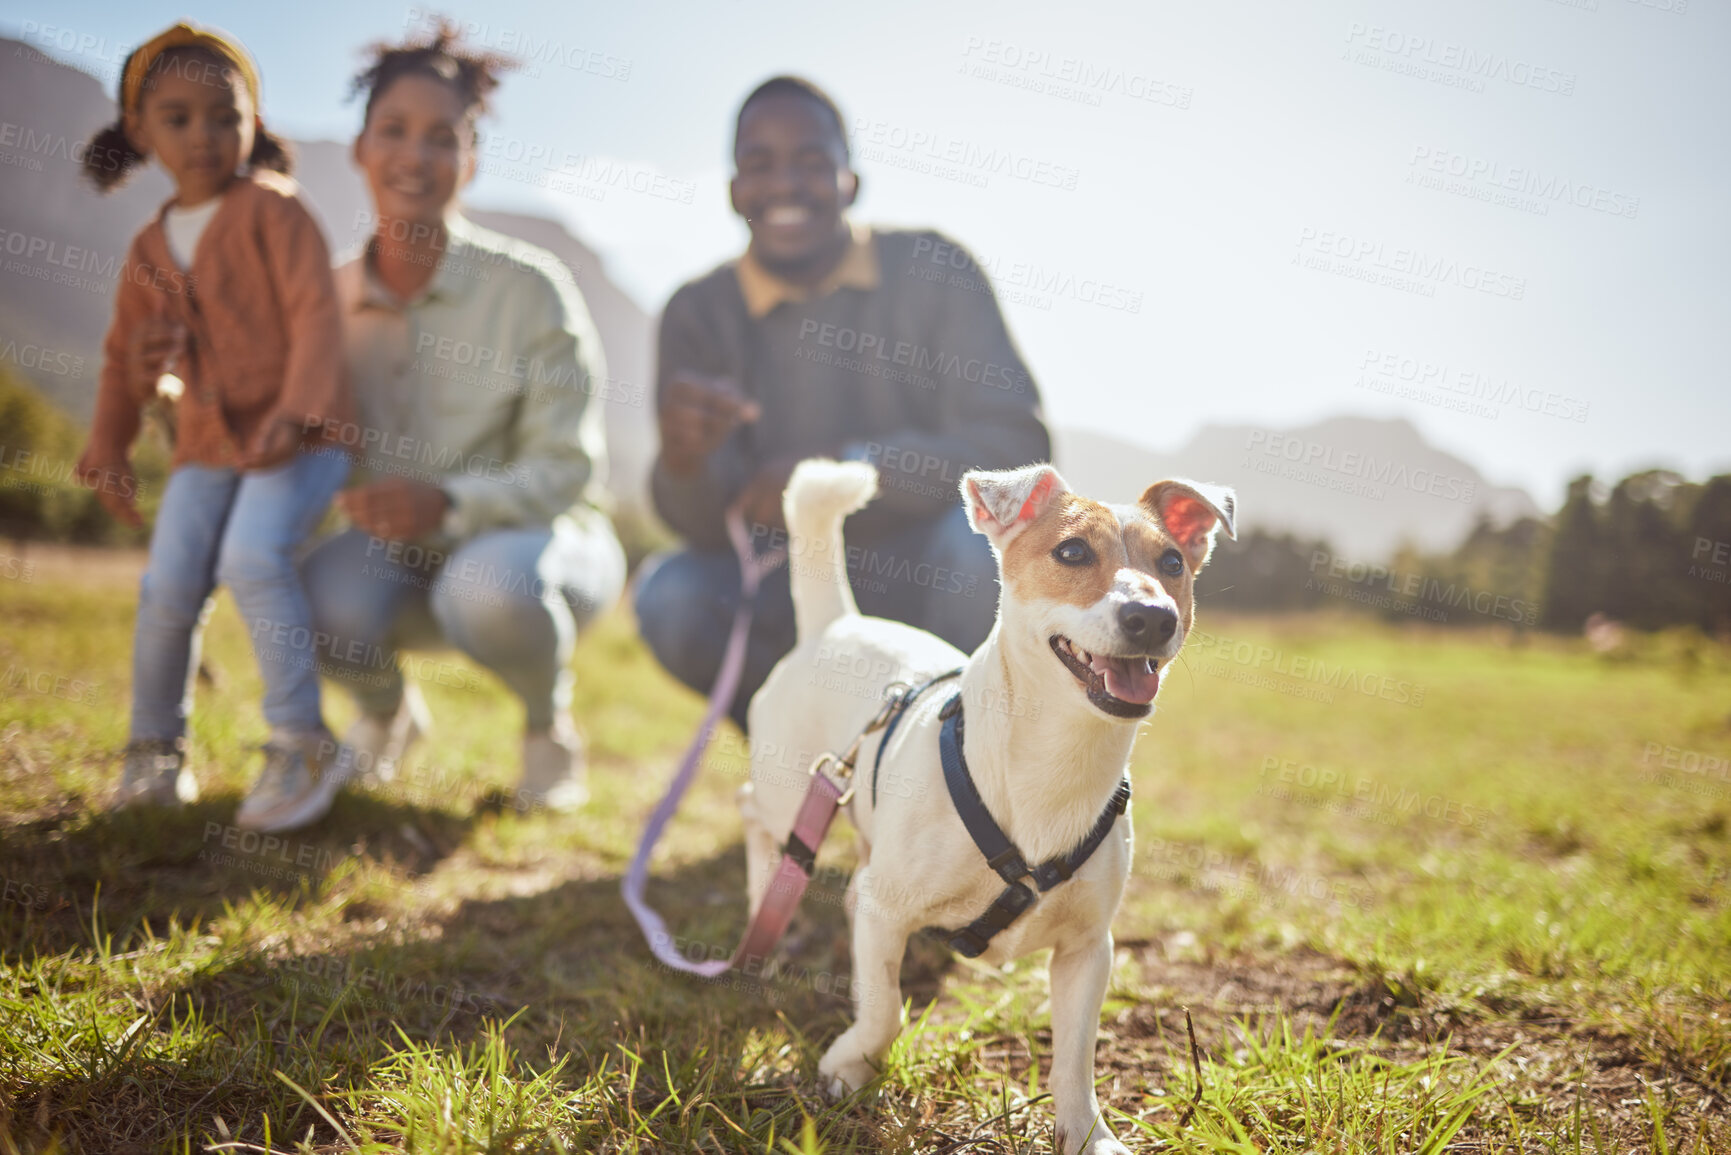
(1002, 503)
(1192, 513)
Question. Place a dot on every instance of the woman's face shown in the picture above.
(417, 149)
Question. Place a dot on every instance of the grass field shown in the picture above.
(1419, 891)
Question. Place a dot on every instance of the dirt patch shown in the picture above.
(1557, 1064)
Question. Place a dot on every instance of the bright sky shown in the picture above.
(1240, 211)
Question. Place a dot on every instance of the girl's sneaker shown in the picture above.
(297, 785)
(378, 743)
(155, 774)
(555, 774)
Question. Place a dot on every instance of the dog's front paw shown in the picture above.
(844, 1070)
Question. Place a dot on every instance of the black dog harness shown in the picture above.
(1000, 853)
(901, 701)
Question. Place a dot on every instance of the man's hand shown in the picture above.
(151, 345)
(396, 509)
(274, 444)
(760, 501)
(696, 415)
(111, 476)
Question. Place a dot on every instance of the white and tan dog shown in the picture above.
(1096, 601)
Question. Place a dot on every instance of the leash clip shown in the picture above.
(842, 773)
(895, 700)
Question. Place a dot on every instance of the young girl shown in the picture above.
(226, 298)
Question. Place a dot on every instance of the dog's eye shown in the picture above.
(1073, 551)
(1171, 563)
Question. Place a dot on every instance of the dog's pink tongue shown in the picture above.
(1128, 679)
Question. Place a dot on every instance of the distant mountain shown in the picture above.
(61, 244)
(1365, 485)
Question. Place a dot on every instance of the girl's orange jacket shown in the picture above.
(264, 328)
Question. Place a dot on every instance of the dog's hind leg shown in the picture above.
(1079, 974)
(879, 942)
(761, 848)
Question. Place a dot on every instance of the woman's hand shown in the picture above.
(116, 486)
(152, 343)
(396, 509)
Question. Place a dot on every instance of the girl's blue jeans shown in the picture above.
(242, 530)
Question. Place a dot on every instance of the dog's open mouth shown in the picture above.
(1123, 687)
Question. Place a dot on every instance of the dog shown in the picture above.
(1096, 601)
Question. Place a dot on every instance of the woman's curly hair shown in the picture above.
(440, 54)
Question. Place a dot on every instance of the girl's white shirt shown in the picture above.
(183, 228)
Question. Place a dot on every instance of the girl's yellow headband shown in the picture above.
(184, 36)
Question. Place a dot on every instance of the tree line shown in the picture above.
(1653, 551)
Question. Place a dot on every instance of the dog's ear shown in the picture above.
(1192, 513)
(1002, 503)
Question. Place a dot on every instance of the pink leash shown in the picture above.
(822, 800)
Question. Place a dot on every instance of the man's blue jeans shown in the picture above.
(241, 530)
(938, 575)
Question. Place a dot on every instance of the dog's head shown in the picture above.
(1106, 589)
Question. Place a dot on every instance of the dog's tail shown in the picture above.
(819, 497)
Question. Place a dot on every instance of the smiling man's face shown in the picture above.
(792, 185)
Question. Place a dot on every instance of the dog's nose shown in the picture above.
(1145, 623)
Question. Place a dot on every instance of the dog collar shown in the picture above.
(1000, 853)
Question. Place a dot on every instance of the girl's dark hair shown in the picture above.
(441, 55)
(109, 158)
